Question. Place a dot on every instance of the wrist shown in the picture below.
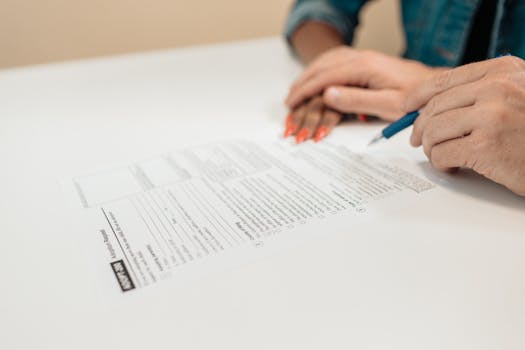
(313, 38)
(427, 72)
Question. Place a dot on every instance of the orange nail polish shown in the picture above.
(302, 135)
(290, 129)
(362, 117)
(320, 133)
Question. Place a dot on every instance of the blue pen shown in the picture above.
(396, 127)
(403, 123)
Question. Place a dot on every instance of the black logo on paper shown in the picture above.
(122, 274)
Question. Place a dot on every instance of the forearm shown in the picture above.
(313, 38)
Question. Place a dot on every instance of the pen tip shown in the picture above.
(375, 139)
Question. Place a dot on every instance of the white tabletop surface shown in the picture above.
(451, 276)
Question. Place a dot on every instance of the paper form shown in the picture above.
(154, 217)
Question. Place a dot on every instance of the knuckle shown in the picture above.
(505, 88)
(514, 62)
(484, 142)
(432, 105)
(478, 145)
(514, 77)
(493, 135)
(517, 87)
(519, 79)
(437, 158)
(471, 162)
(497, 116)
(442, 80)
(502, 85)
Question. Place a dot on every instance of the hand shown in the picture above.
(359, 82)
(311, 119)
(474, 117)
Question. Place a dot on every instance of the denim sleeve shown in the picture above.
(340, 14)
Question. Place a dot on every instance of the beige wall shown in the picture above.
(37, 31)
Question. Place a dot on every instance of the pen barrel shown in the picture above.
(399, 125)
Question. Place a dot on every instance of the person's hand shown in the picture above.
(474, 117)
(353, 81)
(311, 119)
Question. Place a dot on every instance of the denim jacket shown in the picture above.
(436, 31)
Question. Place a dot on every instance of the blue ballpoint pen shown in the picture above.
(396, 127)
(404, 122)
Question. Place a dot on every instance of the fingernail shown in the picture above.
(363, 118)
(302, 135)
(332, 94)
(290, 129)
(320, 133)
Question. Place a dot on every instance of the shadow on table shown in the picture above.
(472, 184)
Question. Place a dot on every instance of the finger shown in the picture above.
(385, 103)
(329, 59)
(329, 120)
(294, 120)
(452, 154)
(455, 98)
(311, 120)
(447, 126)
(338, 75)
(454, 77)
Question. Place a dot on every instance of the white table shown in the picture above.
(452, 278)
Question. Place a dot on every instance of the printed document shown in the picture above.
(155, 217)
